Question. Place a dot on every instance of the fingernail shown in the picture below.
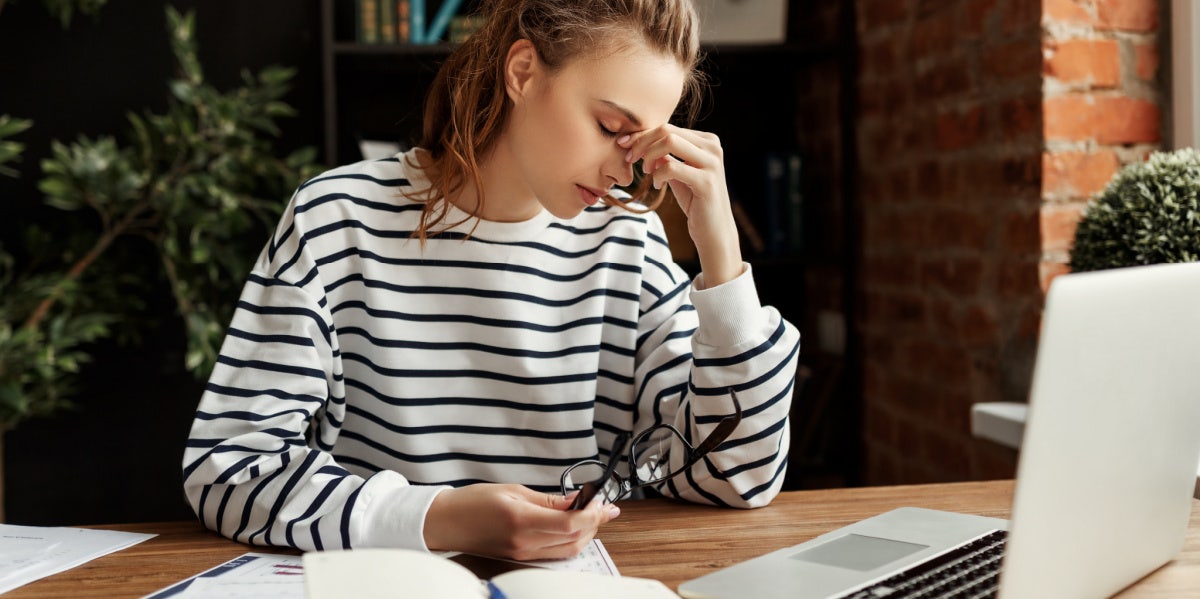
(613, 511)
(629, 156)
(624, 139)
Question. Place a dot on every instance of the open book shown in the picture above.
(392, 573)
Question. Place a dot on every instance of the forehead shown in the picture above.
(647, 83)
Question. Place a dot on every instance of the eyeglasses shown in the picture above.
(649, 460)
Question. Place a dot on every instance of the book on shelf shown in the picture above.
(367, 21)
(463, 26)
(441, 21)
(783, 203)
(387, 22)
(405, 21)
(379, 573)
(416, 21)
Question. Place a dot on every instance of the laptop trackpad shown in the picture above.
(858, 552)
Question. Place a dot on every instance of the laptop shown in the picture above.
(1105, 476)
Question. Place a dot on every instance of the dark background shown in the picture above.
(116, 458)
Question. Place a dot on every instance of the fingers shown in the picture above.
(664, 145)
(512, 521)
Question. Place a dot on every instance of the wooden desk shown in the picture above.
(670, 541)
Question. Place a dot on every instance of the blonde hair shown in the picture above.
(467, 104)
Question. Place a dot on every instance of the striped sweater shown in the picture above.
(361, 375)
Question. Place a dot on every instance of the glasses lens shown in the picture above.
(591, 471)
(652, 453)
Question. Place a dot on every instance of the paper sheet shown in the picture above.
(28, 553)
(258, 575)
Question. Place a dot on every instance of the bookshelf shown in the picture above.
(762, 101)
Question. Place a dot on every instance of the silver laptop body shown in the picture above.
(1107, 467)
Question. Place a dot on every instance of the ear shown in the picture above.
(520, 67)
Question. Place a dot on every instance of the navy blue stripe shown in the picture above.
(276, 393)
(293, 481)
(473, 265)
(468, 346)
(360, 177)
(288, 339)
(247, 508)
(425, 373)
(271, 367)
(469, 401)
(468, 430)
(317, 502)
(472, 292)
(458, 455)
(491, 322)
(282, 311)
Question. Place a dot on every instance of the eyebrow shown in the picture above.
(633, 118)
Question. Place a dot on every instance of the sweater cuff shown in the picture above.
(393, 512)
(730, 314)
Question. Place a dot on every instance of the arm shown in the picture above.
(728, 340)
(257, 467)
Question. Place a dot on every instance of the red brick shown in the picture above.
(934, 36)
(1021, 117)
(1147, 61)
(1016, 279)
(961, 278)
(979, 327)
(960, 128)
(1022, 16)
(1127, 15)
(1077, 174)
(1066, 11)
(1012, 61)
(942, 81)
(1104, 119)
(873, 14)
(975, 16)
(1047, 271)
(1094, 62)
(1058, 222)
(1021, 233)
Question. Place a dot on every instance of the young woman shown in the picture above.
(427, 342)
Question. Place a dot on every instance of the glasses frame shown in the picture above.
(627, 484)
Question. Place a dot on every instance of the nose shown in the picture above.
(616, 169)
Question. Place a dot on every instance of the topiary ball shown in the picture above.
(1148, 214)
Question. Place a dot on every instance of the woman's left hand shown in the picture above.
(692, 163)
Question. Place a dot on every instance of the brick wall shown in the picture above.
(984, 126)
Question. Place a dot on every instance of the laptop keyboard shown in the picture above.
(970, 571)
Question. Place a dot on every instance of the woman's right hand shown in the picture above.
(512, 521)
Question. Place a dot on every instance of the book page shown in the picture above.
(541, 583)
(387, 574)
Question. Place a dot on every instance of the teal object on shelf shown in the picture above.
(437, 27)
(416, 20)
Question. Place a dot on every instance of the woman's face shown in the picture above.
(562, 132)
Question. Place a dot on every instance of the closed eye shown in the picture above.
(605, 130)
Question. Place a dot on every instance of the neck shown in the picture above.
(506, 197)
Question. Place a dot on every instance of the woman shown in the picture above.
(428, 342)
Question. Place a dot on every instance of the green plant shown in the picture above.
(1149, 213)
(201, 185)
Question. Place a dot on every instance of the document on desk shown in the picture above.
(270, 576)
(28, 553)
(257, 575)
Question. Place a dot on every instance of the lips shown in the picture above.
(588, 195)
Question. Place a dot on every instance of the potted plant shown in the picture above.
(1148, 214)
